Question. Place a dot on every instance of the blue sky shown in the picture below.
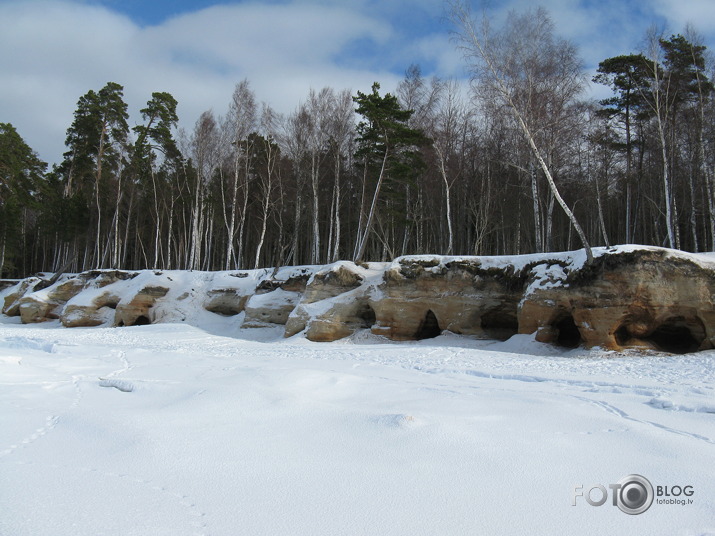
(56, 50)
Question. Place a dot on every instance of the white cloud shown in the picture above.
(700, 13)
(56, 51)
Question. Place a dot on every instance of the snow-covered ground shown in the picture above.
(176, 430)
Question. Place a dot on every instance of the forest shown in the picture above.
(519, 160)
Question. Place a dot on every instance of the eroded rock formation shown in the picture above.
(275, 297)
(421, 297)
(226, 301)
(628, 297)
(322, 315)
(11, 304)
(96, 302)
(650, 298)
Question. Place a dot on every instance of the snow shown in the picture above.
(194, 426)
(173, 429)
(573, 260)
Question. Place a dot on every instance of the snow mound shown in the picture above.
(121, 385)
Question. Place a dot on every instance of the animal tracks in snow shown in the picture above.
(135, 488)
(50, 423)
(610, 408)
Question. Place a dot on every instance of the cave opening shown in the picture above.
(225, 310)
(678, 336)
(429, 328)
(366, 314)
(141, 321)
(622, 335)
(569, 335)
(499, 324)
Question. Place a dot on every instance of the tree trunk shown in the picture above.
(548, 245)
(335, 255)
(557, 195)
(538, 233)
(231, 229)
(2, 252)
(447, 189)
(314, 176)
(242, 222)
(100, 157)
(373, 207)
(600, 213)
(666, 185)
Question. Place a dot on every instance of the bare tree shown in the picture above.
(448, 132)
(267, 175)
(204, 148)
(317, 111)
(535, 75)
(704, 90)
(294, 137)
(241, 121)
(340, 129)
(659, 100)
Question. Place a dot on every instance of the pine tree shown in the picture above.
(96, 140)
(627, 77)
(155, 158)
(387, 147)
(21, 174)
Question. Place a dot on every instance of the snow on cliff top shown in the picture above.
(574, 260)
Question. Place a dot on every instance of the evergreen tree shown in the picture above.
(156, 160)
(627, 76)
(388, 150)
(96, 140)
(685, 66)
(21, 174)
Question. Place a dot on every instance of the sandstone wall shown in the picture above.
(628, 297)
(644, 298)
(420, 297)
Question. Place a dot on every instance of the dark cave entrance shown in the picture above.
(622, 335)
(569, 335)
(676, 335)
(675, 338)
(500, 325)
(429, 328)
(366, 314)
(141, 321)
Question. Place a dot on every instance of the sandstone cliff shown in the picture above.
(630, 296)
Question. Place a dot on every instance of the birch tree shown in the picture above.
(205, 156)
(267, 157)
(659, 99)
(241, 121)
(447, 134)
(533, 74)
(295, 138)
(341, 128)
